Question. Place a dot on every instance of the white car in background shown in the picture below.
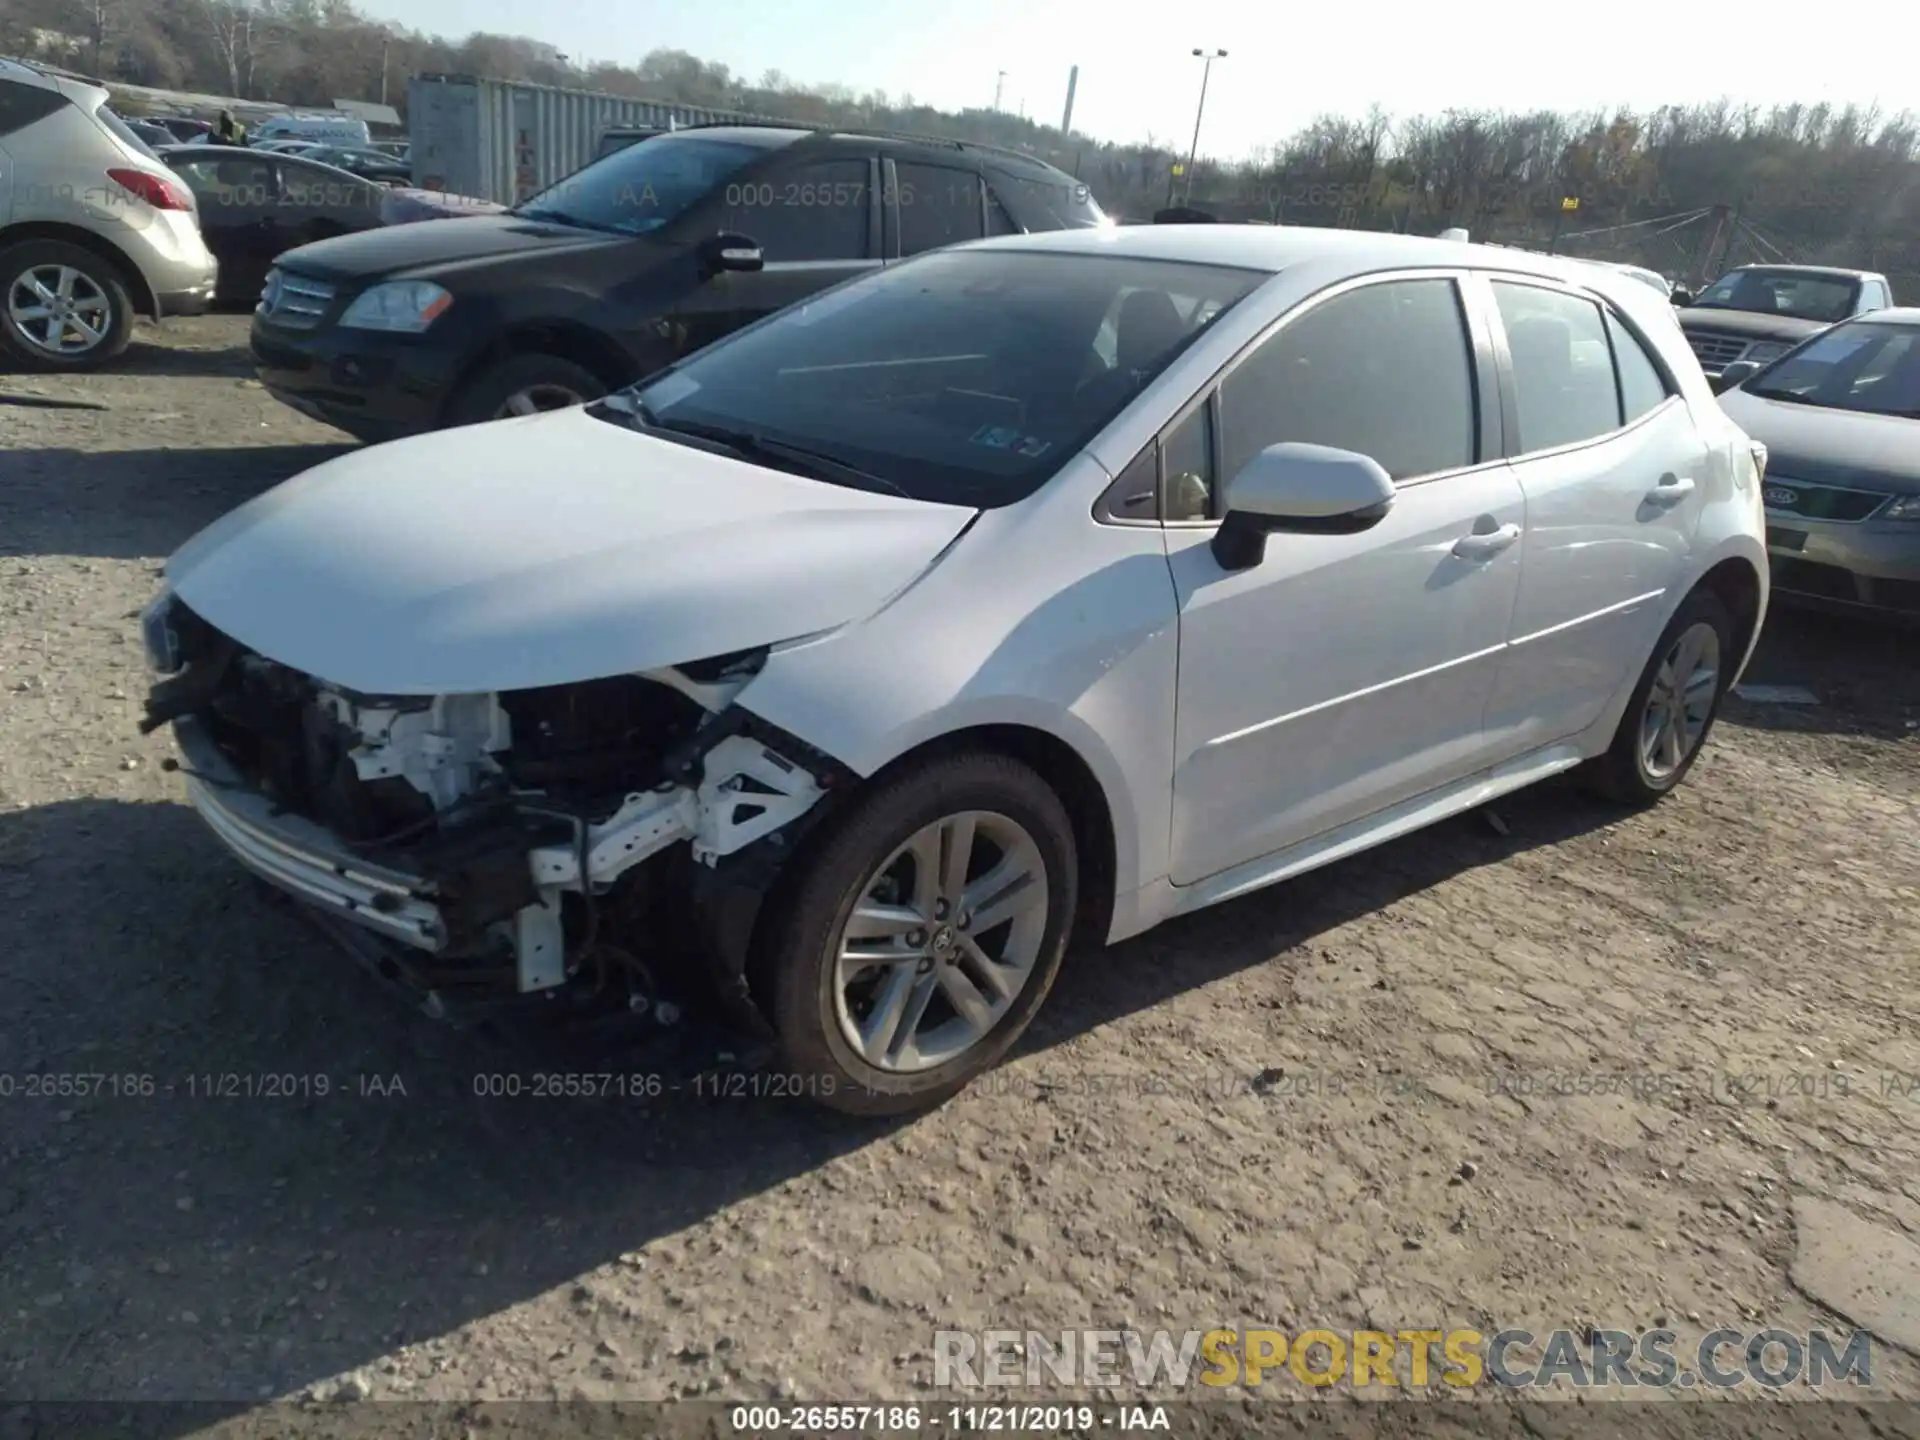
(903, 634)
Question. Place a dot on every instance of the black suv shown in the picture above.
(622, 268)
(1758, 313)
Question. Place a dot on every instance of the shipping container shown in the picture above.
(503, 140)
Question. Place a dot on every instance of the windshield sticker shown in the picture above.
(995, 437)
(1832, 348)
(669, 390)
(1033, 445)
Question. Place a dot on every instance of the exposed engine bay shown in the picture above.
(594, 837)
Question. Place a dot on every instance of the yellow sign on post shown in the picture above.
(1569, 202)
(1179, 169)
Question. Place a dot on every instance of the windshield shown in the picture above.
(1782, 292)
(642, 187)
(964, 377)
(1874, 368)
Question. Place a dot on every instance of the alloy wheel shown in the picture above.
(59, 310)
(941, 942)
(1680, 701)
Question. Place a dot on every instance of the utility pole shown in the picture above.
(1206, 73)
(999, 85)
(386, 44)
(1066, 119)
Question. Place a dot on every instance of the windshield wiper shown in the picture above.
(560, 217)
(811, 463)
(1791, 397)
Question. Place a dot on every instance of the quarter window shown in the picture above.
(1385, 370)
(24, 105)
(1642, 386)
(1562, 366)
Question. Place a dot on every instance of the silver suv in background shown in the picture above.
(94, 227)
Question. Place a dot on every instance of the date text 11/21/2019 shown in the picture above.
(911, 1419)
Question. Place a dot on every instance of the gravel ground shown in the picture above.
(1338, 1103)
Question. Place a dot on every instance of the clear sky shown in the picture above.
(1286, 62)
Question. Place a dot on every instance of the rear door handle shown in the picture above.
(1671, 490)
(1486, 545)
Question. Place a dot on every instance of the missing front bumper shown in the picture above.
(301, 858)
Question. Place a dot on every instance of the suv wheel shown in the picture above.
(921, 934)
(62, 307)
(524, 385)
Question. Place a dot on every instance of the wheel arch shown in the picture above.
(569, 340)
(1741, 586)
(1070, 776)
(145, 302)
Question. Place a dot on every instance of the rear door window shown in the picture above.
(939, 206)
(1562, 366)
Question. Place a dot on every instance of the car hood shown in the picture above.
(1830, 447)
(403, 250)
(544, 550)
(1749, 323)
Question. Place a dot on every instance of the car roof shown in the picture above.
(250, 152)
(774, 136)
(1273, 248)
(1837, 271)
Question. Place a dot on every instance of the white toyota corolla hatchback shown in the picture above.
(1048, 585)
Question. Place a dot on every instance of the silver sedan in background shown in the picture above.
(1840, 417)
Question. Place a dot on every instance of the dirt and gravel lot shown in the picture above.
(1553, 1068)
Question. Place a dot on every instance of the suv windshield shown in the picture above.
(642, 187)
(1782, 292)
(966, 377)
(1865, 366)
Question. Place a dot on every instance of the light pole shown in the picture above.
(1209, 56)
(999, 84)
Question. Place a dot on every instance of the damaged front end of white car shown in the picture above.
(607, 841)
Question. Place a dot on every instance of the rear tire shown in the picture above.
(95, 294)
(524, 384)
(888, 1035)
(1673, 707)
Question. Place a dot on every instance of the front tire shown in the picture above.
(525, 384)
(922, 933)
(62, 307)
(1673, 707)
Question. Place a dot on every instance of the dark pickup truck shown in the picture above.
(1759, 312)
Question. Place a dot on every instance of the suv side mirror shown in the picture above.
(1303, 489)
(730, 251)
(1738, 373)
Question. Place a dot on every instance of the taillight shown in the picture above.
(158, 192)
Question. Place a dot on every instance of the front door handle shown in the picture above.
(1671, 490)
(1484, 546)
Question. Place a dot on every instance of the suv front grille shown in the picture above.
(298, 302)
(1785, 495)
(1715, 350)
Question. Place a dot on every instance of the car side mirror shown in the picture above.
(1302, 489)
(1738, 373)
(730, 251)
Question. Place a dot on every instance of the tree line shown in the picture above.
(1684, 189)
